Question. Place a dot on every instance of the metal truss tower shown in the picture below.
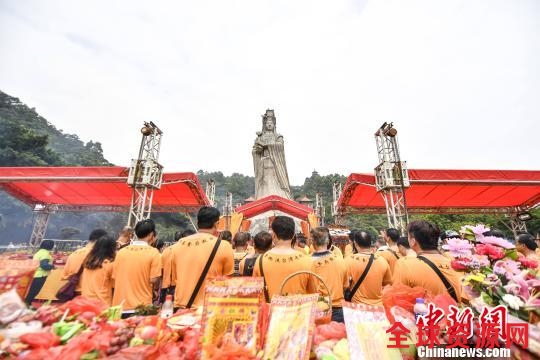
(392, 177)
(336, 193)
(319, 208)
(211, 191)
(227, 210)
(145, 174)
(518, 218)
(41, 220)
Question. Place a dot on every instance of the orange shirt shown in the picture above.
(134, 268)
(414, 272)
(189, 257)
(391, 256)
(166, 257)
(332, 269)
(74, 263)
(348, 250)
(379, 275)
(277, 267)
(98, 283)
(336, 251)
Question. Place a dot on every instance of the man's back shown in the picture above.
(277, 266)
(413, 272)
(134, 267)
(189, 256)
(332, 269)
(391, 256)
(370, 291)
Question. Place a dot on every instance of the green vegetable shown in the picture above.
(113, 313)
(73, 330)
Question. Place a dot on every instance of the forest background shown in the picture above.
(28, 139)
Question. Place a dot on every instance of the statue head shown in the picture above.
(269, 121)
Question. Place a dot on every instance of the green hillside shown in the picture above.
(28, 139)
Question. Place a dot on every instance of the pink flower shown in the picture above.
(528, 263)
(458, 265)
(458, 247)
(492, 240)
(473, 262)
(519, 286)
(492, 280)
(508, 268)
(493, 252)
(479, 230)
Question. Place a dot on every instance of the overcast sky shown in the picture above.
(459, 79)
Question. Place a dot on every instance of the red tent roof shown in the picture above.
(274, 202)
(96, 188)
(448, 191)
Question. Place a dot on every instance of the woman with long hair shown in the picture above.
(96, 280)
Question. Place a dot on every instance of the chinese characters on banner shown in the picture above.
(492, 330)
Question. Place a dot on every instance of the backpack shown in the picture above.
(249, 264)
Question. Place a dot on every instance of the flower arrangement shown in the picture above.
(496, 273)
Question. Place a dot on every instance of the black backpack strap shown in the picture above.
(204, 273)
(265, 288)
(443, 278)
(362, 277)
(393, 252)
(249, 265)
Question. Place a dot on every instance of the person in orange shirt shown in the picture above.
(301, 243)
(137, 270)
(167, 287)
(391, 253)
(282, 260)
(349, 250)
(331, 268)
(263, 243)
(98, 269)
(76, 258)
(226, 235)
(240, 250)
(377, 276)
(415, 271)
(124, 238)
(404, 248)
(190, 255)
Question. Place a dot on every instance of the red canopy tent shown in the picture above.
(274, 202)
(449, 191)
(97, 188)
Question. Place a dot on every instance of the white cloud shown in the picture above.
(459, 79)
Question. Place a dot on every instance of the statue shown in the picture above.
(271, 176)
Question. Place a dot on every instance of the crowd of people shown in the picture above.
(136, 269)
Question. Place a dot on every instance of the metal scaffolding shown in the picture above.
(211, 191)
(391, 177)
(227, 210)
(145, 174)
(319, 208)
(41, 220)
(518, 218)
(336, 193)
